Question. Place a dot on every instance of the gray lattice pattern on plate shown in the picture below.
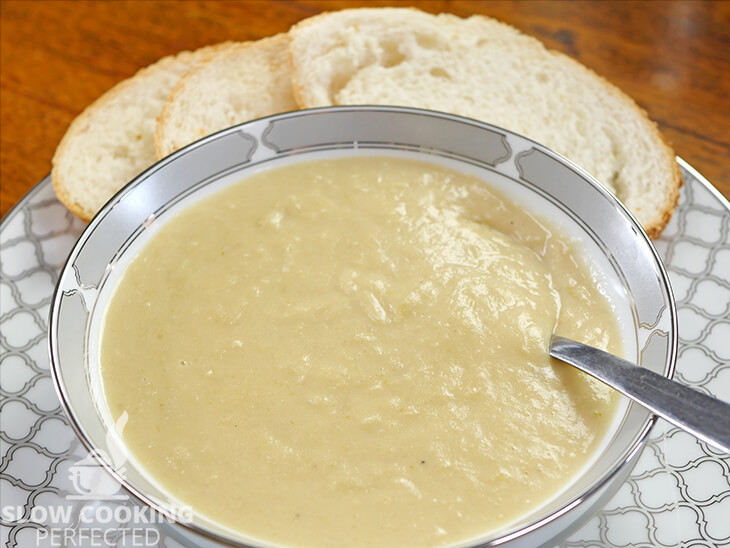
(679, 493)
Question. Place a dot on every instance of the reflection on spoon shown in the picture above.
(705, 417)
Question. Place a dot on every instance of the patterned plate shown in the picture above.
(678, 494)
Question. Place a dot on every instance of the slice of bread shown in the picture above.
(247, 81)
(112, 140)
(490, 71)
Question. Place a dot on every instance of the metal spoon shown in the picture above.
(705, 417)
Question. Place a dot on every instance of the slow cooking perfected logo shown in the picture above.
(99, 512)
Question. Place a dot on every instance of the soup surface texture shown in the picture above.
(353, 352)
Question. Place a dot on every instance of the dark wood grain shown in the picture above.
(57, 57)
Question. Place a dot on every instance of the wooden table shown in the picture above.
(57, 57)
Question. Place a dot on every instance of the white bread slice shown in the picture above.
(112, 140)
(490, 71)
(247, 81)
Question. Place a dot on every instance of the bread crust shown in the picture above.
(656, 225)
(64, 188)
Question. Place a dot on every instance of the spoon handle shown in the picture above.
(705, 417)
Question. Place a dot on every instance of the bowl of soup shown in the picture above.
(330, 327)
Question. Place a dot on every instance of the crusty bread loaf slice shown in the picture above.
(112, 140)
(484, 69)
(247, 81)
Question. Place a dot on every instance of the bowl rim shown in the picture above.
(512, 532)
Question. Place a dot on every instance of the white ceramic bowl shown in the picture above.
(630, 267)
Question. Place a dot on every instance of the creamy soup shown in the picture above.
(352, 352)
